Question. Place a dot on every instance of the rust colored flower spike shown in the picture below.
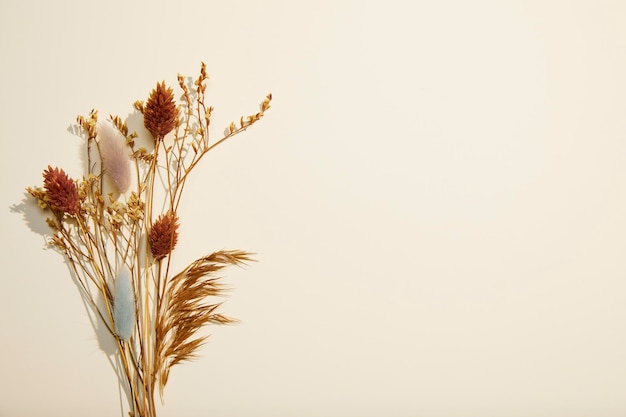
(163, 235)
(160, 112)
(60, 190)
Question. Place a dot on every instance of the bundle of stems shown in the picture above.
(118, 225)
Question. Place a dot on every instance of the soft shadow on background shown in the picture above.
(436, 198)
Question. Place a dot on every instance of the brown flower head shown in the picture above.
(60, 190)
(163, 235)
(160, 113)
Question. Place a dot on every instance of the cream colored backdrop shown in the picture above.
(437, 199)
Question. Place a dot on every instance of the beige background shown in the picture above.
(437, 199)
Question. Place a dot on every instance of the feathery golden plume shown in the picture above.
(60, 190)
(160, 112)
(163, 235)
(185, 311)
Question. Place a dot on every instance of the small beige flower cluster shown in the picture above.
(65, 196)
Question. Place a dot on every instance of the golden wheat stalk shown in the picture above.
(183, 310)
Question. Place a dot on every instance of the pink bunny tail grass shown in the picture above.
(115, 156)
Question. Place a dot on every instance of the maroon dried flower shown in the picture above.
(60, 190)
(163, 235)
(160, 113)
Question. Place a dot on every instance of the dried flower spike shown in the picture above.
(163, 235)
(60, 190)
(160, 111)
(115, 156)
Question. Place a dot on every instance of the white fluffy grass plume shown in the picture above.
(115, 156)
(124, 304)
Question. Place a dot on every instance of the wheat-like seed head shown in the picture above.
(186, 310)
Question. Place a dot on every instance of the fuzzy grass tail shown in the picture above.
(124, 304)
(115, 156)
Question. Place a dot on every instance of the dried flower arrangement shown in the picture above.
(118, 225)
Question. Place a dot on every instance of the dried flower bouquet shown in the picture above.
(118, 225)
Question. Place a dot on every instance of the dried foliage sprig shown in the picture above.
(119, 242)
